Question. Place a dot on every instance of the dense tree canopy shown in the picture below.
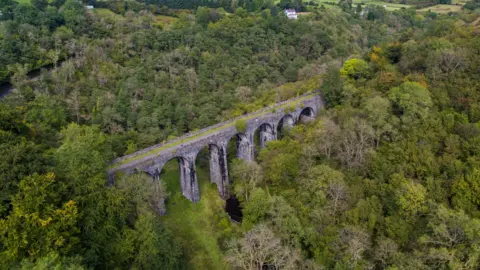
(386, 178)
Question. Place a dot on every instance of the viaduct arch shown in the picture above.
(269, 120)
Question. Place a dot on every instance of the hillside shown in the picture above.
(385, 177)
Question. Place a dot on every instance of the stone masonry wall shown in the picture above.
(217, 141)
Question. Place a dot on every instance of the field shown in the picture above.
(107, 14)
(199, 227)
(23, 1)
(442, 8)
(388, 6)
(457, 5)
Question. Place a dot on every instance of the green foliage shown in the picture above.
(472, 5)
(201, 228)
(280, 163)
(465, 193)
(39, 4)
(148, 245)
(332, 90)
(411, 101)
(451, 231)
(313, 187)
(145, 193)
(387, 178)
(241, 125)
(355, 69)
(246, 175)
(411, 198)
(6, 9)
(255, 209)
(39, 223)
(82, 158)
(53, 261)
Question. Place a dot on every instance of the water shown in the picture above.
(234, 209)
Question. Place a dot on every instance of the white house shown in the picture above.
(291, 13)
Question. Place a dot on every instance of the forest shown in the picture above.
(386, 177)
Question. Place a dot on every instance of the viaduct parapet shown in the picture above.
(269, 121)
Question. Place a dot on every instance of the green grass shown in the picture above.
(328, 6)
(104, 12)
(459, 2)
(208, 132)
(198, 227)
(389, 6)
(441, 8)
(23, 1)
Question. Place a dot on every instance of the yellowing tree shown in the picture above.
(39, 223)
(355, 69)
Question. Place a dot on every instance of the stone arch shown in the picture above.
(306, 115)
(218, 167)
(142, 171)
(266, 134)
(287, 121)
(243, 145)
(153, 184)
(188, 176)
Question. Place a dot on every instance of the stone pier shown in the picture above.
(218, 168)
(186, 148)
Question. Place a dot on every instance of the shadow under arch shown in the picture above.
(183, 178)
(263, 134)
(211, 163)
(306, 115)
(239, 146)
(285, 123)
(144, 183)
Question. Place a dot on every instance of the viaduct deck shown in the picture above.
(185, 148)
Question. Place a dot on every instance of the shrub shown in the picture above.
(241, 125)
(355, 69)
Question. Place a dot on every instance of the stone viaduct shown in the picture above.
(269, 121)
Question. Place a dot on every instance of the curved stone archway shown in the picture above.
(188, 176)
(267, 133)
(157, 200)
(285, 123)
(218, 167)
(186, 148)
(244, 143)
(306, 115)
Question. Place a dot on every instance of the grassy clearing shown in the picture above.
(23, 1)
(304, 13)
(459, 2)
(442, 8)
(108, 15)
(208, 132)
(388, 6)
(199, 227)
(329, 6)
